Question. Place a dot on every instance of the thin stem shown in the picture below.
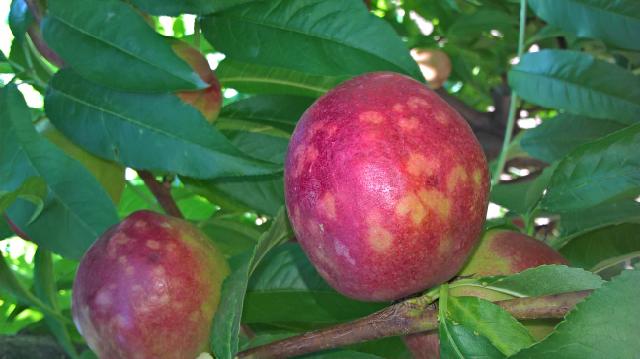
(414, 315)
(162, 193)
(502, 158)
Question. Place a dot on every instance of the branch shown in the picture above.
(30, 346)
(36, 35)
(411, 316)
(162, 192)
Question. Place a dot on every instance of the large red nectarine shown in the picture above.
(148, 288)
(499, 252)
(386, 187)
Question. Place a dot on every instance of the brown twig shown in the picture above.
(162, 192)
(411, 316)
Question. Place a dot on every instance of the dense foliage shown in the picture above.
(113, 83)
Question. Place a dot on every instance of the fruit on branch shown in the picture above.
(148, 288)
(386, 187)
(209, 100)
(435, 65)
(109, 174)
(500, 252)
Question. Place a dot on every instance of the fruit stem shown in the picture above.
(162, 193)
(502, 158)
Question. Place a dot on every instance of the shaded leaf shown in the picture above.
(33, 189)
(286, 289)
(558, 136)
(110, 43)
(590, 329)
(276, 115)
(226, 324)
(175, 8)
(604, 170)
(334, 37)
(579, 222)
(77, 206)
(615, 22)
(590, 249)
(578, 83)
(154, 132)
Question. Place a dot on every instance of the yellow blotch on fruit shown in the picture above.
(410, 123)
(415, 103)
(379, 238)
(456, 176)
(410, 204)
(328, 205)
(371, 117)
(418, 164)
(398, 107)
(436, 201)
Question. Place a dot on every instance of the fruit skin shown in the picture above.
(148, 288)
(386, 187)
(109, 174)
(434, 64)
(209, 100)
(500, 252)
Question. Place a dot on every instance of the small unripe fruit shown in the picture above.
(386, 187)
(500, 252)
(109, 174)
(148, 288)
(434, 64)
(209, 100)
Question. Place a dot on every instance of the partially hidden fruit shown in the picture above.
(209, 100)
(500, 252)
(434, 64)
(148, 288)
(386, 187)
(109, 174)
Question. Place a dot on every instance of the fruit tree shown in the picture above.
(319, 178)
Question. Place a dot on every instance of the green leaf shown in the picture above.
(341, 354)
(77, 206)
(11, 284)
(155, 132)
(323, 37)
(575, 223)
(589, 250)
(276, 115)
(264, 194)
(523, 196)
(254, 78)
(543, 280)
(175, 8)
(604, 170)
(287, 290)
(558, 136)
(457, 341)
(226, 324)
(469, 26)
(110, 43)
(46, 290)
(19, 19)
(231, 237)
(33, 189)
(578, 83)
(605, 325)
(491, 321)
(615, 22)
